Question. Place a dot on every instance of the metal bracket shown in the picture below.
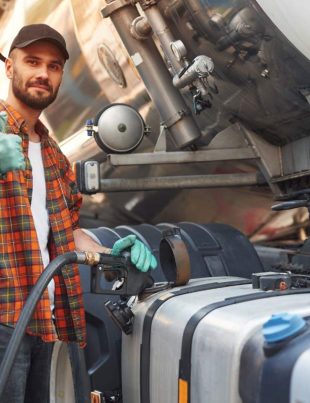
(181, 182)
(161, 144)
(146, 3)
(233, 144)
(182, 157)
(172, 120)
(140, 28)
(270, 158)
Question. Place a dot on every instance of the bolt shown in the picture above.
(122, 127)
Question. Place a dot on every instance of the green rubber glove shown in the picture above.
(11, 154)
(140, 254)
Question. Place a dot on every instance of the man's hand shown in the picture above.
(140, 254)
(11, 153)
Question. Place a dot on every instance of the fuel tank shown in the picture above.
(192, 345)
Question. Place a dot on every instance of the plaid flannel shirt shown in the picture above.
(20, 257)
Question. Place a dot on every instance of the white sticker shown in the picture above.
(137, 59)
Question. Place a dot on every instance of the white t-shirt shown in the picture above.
(38, 208)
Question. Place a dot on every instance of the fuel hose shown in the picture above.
(29, 307)
(174, 257)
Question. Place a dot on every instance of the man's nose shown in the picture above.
(42, 72)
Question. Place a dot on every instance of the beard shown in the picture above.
(38, 101)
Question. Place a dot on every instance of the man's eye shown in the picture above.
(54, 67)
(32, 62)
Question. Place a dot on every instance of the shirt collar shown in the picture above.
(17, 122)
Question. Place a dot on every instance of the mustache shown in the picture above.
(45, 83)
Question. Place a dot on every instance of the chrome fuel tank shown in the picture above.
(188, 344)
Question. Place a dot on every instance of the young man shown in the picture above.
(39, 214)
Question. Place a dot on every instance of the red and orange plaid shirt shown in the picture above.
(20, 257)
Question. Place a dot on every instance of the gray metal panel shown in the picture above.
(166, 341)
(300, 385)
(296, 156)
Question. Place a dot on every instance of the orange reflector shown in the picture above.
(183, 391)
(283, 286)
(95, 396)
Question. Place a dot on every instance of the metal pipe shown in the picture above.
(183, 182)
(211, 25)
(173, 110)
(164, 35)
(140, 28)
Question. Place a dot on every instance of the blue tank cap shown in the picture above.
(281, 326)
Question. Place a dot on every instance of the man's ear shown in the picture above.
(9, 68)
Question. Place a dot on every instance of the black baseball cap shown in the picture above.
(38, 32)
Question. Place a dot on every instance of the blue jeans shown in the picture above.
(30, 376)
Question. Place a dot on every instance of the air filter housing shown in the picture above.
(119, 128)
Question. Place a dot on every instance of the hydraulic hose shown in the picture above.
(32, 300)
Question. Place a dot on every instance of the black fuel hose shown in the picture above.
(28, 309)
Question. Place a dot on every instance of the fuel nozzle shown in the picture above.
(133, 281)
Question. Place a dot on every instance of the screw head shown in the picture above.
(122, 127)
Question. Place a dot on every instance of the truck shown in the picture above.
(225, 317)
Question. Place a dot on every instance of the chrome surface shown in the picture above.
(119, 128)
(180, 182)
(156, 78)
(258, 72)
(216, 347)
(178, 157)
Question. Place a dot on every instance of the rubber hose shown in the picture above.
(27, 311)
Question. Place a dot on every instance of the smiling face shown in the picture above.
(36, 72)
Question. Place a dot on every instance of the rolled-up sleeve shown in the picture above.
(70, 189)
(75, 197)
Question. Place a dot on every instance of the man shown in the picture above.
(39, 214)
